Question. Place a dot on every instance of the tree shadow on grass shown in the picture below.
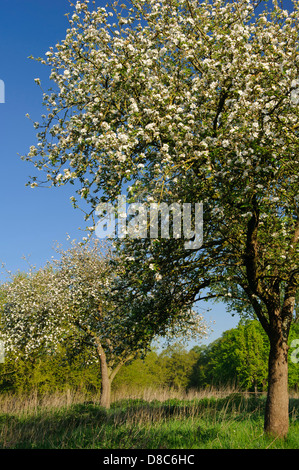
(49, 429)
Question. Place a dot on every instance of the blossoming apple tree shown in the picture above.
(190, 101)
(74, 300)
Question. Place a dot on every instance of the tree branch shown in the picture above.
(251, 251)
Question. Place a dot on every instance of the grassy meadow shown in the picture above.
(153, 419)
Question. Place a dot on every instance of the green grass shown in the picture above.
(233, 422)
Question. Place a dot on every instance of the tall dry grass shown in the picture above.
(28, 403)
(162, 394)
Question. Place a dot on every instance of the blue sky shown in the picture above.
(32, 220)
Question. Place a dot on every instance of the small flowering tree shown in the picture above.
(190, 101)
(74, 301)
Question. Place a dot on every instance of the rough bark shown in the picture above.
(277, 405)
(108, 374)
(105, 383)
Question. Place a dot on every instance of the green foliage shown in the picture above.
(178, 366)
(240, 357)
(293, 366)
(172, 368)
(252, 353)
(47, 374)
(141, 373)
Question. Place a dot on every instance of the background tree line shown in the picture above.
(239, 357)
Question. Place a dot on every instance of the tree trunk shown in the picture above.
(277, 405)
(105, 383)
(108, 374)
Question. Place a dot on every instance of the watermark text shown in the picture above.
(140, 220)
